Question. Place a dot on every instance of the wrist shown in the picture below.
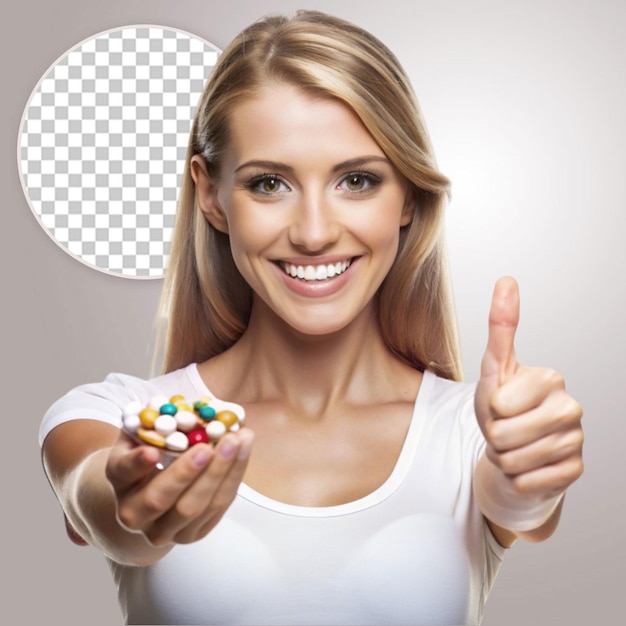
(502, 504)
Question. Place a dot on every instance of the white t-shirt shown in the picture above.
(415, 551)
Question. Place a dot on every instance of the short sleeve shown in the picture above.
(104, 401)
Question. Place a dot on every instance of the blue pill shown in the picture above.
(168, 409)
(207, 413)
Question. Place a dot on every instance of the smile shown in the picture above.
(316, 272)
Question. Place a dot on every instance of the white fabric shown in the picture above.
(415, 551)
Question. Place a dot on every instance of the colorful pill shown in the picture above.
(177, 442)
(175, 424)
(151, 437)
(148, 416)
(168, 409)
(215, 430)
(207, 413)
(186, 421)
(197, 436)
(132, 422)
(165, 425)
(183, 405)
(228, 418)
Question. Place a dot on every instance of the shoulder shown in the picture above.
(448, 396)
(449, 413)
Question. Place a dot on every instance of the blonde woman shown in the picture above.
(308, 283)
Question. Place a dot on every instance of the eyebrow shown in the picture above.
(348, 164)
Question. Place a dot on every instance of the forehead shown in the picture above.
(281, 120)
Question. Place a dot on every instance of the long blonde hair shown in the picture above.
(205, 299)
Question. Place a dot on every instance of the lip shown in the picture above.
(316, 288)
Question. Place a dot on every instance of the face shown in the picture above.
(312, 206)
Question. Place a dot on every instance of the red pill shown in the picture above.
(197, 435)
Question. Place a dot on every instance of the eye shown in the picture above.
(267, 184)
(358, 182)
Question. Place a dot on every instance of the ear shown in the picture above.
(206, 194)
(409, 208)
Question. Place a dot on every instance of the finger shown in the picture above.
(499, 359)
(548, 450)
(559, 413)
(141, 507)
(129, 464)
(529, 388)
(550, 480)
(206, 500)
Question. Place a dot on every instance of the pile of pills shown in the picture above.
(175, 424)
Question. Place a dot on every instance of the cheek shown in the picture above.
(250, 234)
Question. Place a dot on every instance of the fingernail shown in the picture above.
(244, 451)
(200, 457)
(227, 448)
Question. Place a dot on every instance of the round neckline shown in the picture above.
(384, 491)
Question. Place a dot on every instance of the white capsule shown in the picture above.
(156, 402)
(131, 422)
(165, 425)
(215, 429)
(133, 408)
(186, 421)
(177, 442)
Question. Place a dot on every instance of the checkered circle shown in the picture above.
(103, 141)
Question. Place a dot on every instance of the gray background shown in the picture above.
(525, 102)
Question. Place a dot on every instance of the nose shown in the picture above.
(314, 224)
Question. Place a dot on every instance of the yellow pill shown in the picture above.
(228, 418)
(177, 398)
(148, 416)
(151, 437)
(182, 405)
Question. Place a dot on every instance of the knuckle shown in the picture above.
(157, 538)
(578, 468)
(577, 439)
(128, 517)
(521, 486)
(154, 502)
(509, 464)
(495, 435)
(492, 455)
(553, 378)
(188, 509)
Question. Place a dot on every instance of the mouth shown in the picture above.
(318, 272)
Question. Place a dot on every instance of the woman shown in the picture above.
(307, 282)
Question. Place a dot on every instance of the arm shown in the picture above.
(532, 427)
(116, 499)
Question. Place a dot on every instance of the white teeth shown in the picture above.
(316, 272)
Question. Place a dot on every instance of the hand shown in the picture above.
(531, 424)
(183, 502)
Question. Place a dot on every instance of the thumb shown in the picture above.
(499, 358)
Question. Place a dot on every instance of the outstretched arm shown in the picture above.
(117, 500)
(533, 431)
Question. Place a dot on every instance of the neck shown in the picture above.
(313, 373)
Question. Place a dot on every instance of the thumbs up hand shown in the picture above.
(532, 427)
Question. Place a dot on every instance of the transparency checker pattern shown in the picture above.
(103, 144)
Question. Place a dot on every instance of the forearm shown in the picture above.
(89, 502)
